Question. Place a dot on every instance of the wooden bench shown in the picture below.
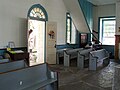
(70, 54)
(98, 57)
(29, 78)
(60, 53)
(8, 66)
(83, 55)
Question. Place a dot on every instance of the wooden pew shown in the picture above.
(60, 53)
(98, 57)
(8, 66)
(70, 54)
(29, 78)
(83, 55)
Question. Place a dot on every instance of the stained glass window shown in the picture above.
(37, 12)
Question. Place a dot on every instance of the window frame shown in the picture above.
(69, 17)
(42, 10)
(101, 27)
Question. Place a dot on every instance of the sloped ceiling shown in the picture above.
(77, 16)
(102, 2)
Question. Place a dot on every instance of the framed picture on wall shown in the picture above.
(83, 39)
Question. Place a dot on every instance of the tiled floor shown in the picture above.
(72, 78)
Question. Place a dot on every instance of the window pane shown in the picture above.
(37, 13)
(108, 32)
(68, 30)
(68, 37)
(71, 31)
(73, 34)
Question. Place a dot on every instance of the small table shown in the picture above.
(19, 56)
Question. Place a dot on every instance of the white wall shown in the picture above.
(77, 15)
(13, 19)
(102, 11)
(57, 12)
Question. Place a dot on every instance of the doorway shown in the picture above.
(37, 17)
(36, 41)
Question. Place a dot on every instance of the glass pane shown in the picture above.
(73, 34)
(38, 10)
(68, 37)
(109, 32)
(37, 13)
(71, 31)
(68, 30)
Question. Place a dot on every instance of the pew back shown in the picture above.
(83, 56)
(4, 67)
(85, 52)
(97, 58)
(70, 54)
(100, 54)
(60, 53)
(73, 52)
(28, 78)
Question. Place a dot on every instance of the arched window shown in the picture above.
(37, 17)
(37, 12)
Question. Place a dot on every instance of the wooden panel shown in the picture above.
(51, 36)
(117, 41)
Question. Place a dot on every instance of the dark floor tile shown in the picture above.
(72, 78)
(79, 86)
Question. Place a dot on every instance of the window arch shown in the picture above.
(37, 12)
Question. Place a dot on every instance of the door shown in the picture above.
(51, 36)
(36, 41)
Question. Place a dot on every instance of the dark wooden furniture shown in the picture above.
(83, 40)
(117, 41)
(19, 56)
